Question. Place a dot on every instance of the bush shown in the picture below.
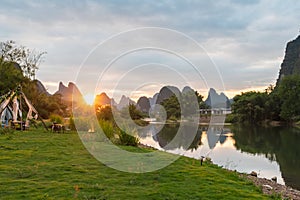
(56, 119)
(107, 128)
(128, 140)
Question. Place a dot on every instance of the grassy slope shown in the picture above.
(39, 165)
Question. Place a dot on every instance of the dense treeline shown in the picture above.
(280, 103)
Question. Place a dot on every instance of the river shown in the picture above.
(272, 151)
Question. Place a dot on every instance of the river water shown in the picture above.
(273, 151)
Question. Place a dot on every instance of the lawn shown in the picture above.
(42, 165)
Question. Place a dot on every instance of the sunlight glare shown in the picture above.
(89, 98)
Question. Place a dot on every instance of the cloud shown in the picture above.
(246, 39)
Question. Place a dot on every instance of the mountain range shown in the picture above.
(71, 93)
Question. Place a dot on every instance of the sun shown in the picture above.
(89, 98)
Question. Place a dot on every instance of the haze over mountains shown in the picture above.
(144, 103)
(71, 93)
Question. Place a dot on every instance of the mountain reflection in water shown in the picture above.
(271, 151)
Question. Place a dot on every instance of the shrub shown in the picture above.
(128, 140)
(107, 128)
(56, 118)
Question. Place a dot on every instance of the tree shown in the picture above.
(45, 104)
(10, 76)
(133, 112)
(104, 113)
(27, 59)
(172, 107)
(289, 93)
(250, 107)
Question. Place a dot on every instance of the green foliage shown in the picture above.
(275, 143)
(281, 103)
(111, 131)
(108, 128)
(18, 66)
(134, 113)
(10, 76)
(104, 113)
(190, 101)
(172, 107)
(250, 106)
(231, 118)
(289, 91)
(188, 104)
(128, 140)
(27, 59)
(45, 105)
(56, 119)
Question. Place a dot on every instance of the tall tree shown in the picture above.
(10, 76)
(289, 92)
(250, 106)
(27, 59)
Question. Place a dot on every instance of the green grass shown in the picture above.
(40, 165)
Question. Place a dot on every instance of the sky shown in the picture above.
(103, 46)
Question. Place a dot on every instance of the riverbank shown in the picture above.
(270, 187)
(42, 165)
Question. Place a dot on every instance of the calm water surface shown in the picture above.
(268, 151)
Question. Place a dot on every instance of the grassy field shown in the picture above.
(42, 165)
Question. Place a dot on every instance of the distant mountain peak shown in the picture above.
(215, 100)
(291, 62)
(187, 89)
(124, 101)
(166, 92)
(143, 104)
(41, 87)
(70, 93)
(102, 99)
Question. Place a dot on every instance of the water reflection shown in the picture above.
(270, 151)
(280, 144)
